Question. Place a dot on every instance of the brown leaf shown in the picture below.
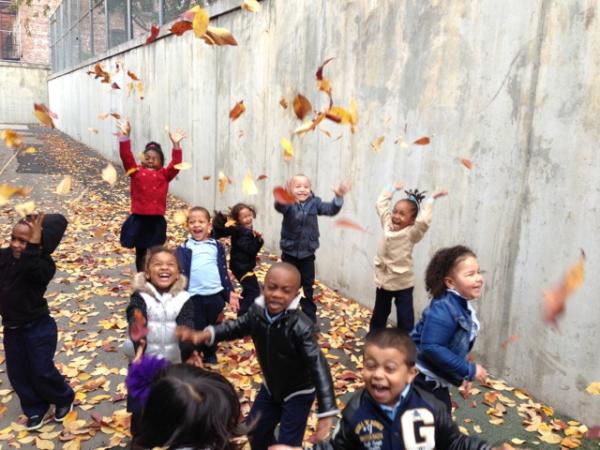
(115, 86)
(154, 30)
(467, 163)
(376, 145)
(132, 75)
(283, 102)
(116, 115)
(319, 73)
(301, 106)
(206, 177)
(237, 110)
(511, 339)
(283, 196)
(180, 27)
(555, 299)
(422, 141)
(218, 36)
(346, 223)
(261, 177)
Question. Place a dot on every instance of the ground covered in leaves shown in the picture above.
(91, 289)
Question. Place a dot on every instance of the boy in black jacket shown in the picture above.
(30, 333)
(292, 363)
(392, 414)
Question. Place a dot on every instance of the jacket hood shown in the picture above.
(140, 284)
(260, 301)
(53, 230)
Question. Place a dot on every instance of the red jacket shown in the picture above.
(148, 187)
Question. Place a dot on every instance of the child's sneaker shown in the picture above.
(61, 412)
(36, 422)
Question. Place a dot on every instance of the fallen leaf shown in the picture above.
(251, 6)
(109, 174)
(555, 299)
(301, 106)
(115, 86)
(132, 75)
(12, 139)
(218, 36)
(288, 150)
(42, 113)
(7, 192)
(517, 441)
(248, 185)
(376, 145)
(422, 141)
(283, 196)
(154, 30)
(25, 208)
(593, 388)
(283, 102)
(550, 438)
(183, 166)
(346, 223)
(467, 163)
(43, 444)
(237, 110)
(180, 27)
(353, 110)
(319, 73)
(570, 442)
(64, 187)
(30, 150)
(99, 232)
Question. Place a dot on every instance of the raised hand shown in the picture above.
(176, 137)
(124, 127)
(399, 185)
(323, 428)
(342, 189)
(36, 228)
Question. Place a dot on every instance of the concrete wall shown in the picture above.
(21, 85)
(517, 93)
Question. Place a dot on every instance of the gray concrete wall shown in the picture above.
(21, 85)
(516, 92)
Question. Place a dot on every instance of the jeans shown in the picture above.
(291, 415)
(306, 267)
(405, 314)
(30, 365)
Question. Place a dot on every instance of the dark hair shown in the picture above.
(441, 265)
(152, 252)
(155, 147)
(285, 266)
(201, 209)
(394, 338)
(414, 197)
(237, 209)
(190, 407)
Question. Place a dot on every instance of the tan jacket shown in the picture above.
(393, 262)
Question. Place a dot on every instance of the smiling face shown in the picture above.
(151, 160)
(281, 286)
(403, 213)
(300, 187)
(386, 373)
(162, 271)
(19, 238)
(199, 225)
(245, 218)
(465, 278)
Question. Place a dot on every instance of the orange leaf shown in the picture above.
(555, 299)
(237, 110)
(218, 36)
(178, 28)
(377, 144)
(132, 75)
(422, 141)
(283, 196)
(154, 30)
(116, 115)
(511, 339)
(42, 113)
(467, 163)
(319, 73)
(12, 139)
(301, 106)
(346, 223)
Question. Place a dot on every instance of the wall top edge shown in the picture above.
(23, 65)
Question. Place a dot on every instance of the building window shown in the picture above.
(9, 37)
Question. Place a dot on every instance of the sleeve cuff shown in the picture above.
(333, 412)
(391, 188)
(123, 138)
(211, 330)
(338, 201)
(430, 200)
(472, 369)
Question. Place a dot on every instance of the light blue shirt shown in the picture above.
(204, 273)
(391, 411)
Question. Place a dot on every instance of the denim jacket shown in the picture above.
(300, 227)
(443, 338)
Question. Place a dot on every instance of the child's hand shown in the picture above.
(234, 301)
(342, 189)
(440, 193)
(399, 185)
(195, 337)
(176, 137)
(481, 373)
(195, 360)
(36, 228)
(323, 428)
(140, 351)
(124, 127)
(138, 328)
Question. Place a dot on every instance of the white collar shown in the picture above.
(260, 301)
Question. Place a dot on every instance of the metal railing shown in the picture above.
(10, 48)
(82, 29)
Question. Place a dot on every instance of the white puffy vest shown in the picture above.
(162, 310)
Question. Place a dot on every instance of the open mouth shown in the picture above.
(165, 276)
(379, 390)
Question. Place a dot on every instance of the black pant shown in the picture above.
(306, 266)
(30, 365)
(405, 314)
(208, 310)
(441, 393)
(140, 258)
(250, 290)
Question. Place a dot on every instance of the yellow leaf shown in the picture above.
(30, 150)
(180, 217)
(11, 138)
(75, 444)
(7, 192)
(593, 388)
(183, 166)
(339, 115)
(223, 180)
(42, 114)
(43, 444)
(251, 5)
(25, 208)
(353, 109)
(230, 223)
(104, 115)
(496, 421)
(26, 440)
(377, 144)
(64, 187)
(200, 22)
(570, 442)
(550, 438)
(140, 90)
(248, 185)
(477, 429)
(288, 150)
(517, 441)
(109, 174)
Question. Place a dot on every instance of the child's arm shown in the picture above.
(344, 437)
(249, 243)
(226, 331)
(186, 319)
(125, 147)
(333, 207)
(436, 334)
(423, 221)
(383, 204)
(176, 154)
(39, 267)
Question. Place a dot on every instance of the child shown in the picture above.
(300, 232)
(292, 363)
(449, 326)
(146, 226)
(190, 408)
(389, 403)
(202, 260)
(245, 245)
(30, 333)
(159, 303)
(394, 276)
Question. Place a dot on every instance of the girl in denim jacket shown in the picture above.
(449, 326)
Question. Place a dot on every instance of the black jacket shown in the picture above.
(288, 353)
(422, 421)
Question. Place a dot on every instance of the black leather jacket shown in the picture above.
(288, 353)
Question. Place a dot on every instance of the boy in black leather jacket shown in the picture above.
(392, 414)
(293, 366)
